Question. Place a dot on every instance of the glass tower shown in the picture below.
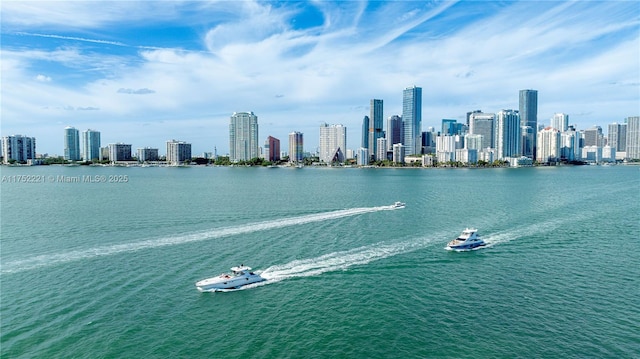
(71, 144)
(412, 119)
(529, 117)
(375, 127)
(243, 136)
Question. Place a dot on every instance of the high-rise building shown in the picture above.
(365, 132)
(483, 124)
(617, 136)
(570, 145)
(529, 117)
(333, 141)
(147, 154)
(363, 156)
(560, 121)
(178, 152)
(394, 131)
(272, 149)
(507, 134)
(19, 148)
(90, 145)
(376, 119)
(412, 120)
(549, 145)
(449, 127)
(71, 144)
(119, 152)
(633, 137)
(296, 154)
(593, 137)
(243, 136)
(381, 147)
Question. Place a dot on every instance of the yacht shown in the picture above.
(467, 240)
(399, 205)
(239, 277)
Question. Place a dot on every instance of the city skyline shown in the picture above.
(297, 65)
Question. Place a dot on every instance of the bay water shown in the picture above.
(100, 262)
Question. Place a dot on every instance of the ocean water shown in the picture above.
(100, 262)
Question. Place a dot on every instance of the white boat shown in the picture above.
(239, 277)
(467, 240)
(399, 205)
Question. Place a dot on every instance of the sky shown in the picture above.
(145, 72)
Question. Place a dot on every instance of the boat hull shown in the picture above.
(213, 284)
(465, 247)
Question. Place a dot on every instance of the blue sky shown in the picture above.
(144, 72)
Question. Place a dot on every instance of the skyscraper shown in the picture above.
(507, 134)
(375, 127)
(412, 119)
(365, 132)
(529, 117)
(593, 137)
(90, 145)
(549, 145)
(633, 137)
(272, 149)
(394, 131)
(295, 147)
(243, 136)
(560, 121)
(71, 144)
(617, 136)
(333, 140)
(119, 152)
(483, 124)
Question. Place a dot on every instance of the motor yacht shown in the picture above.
(240, 276)
(467, 240)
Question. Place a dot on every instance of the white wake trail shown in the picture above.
(58, 258)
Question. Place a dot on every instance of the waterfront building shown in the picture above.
(90, 145)
(428, 142)
(394, 131)
(487, 155)
(633, 137)
(272, 149)
(549, 145)
(147, 154)
(617, 136)
(381, 147)
(570, 145)
(398, 153)
(19, 148)
(296, 153)
(71, 144)
(507, 134)
(468, 123)
(376, 120)
(483, 124)
(467, 156)
(365, 132)
(529, 117)
(592, 154)
(473, 142)
(119, 152)
(446, 148)
(412, 120)
(243, 136)
(178, 152)
(333, 141)
(560, 121)
(428, 161)
(593, 137)
(608, 154)
(363, 156)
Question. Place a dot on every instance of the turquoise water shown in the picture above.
(107, 270)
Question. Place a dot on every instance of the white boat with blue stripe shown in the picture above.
(469, 239)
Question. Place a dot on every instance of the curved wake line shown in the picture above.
(336, 261)
(58, 258)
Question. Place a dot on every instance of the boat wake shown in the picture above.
(336, 261)
(101, 251)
